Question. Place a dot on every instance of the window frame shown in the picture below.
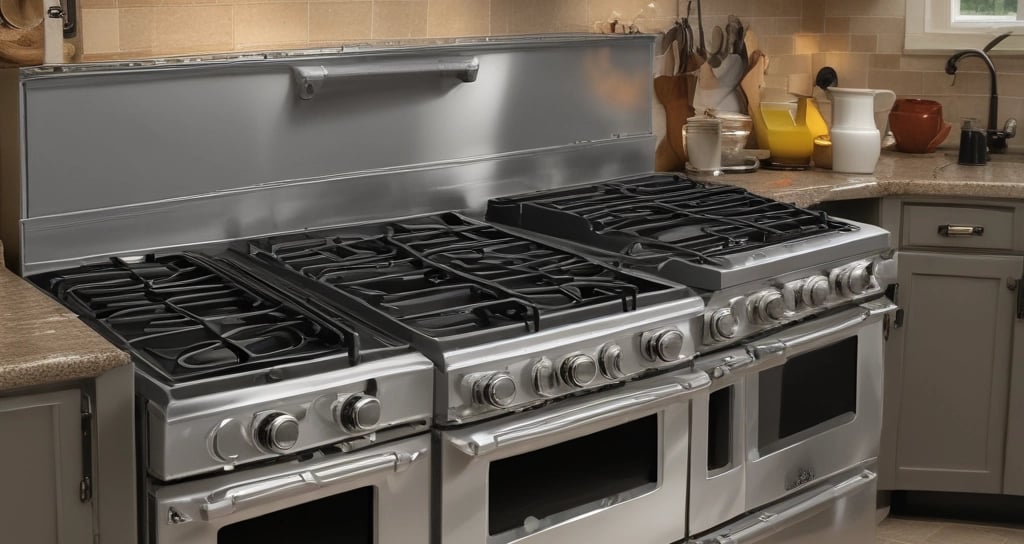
(930, 29)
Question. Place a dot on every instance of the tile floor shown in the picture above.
(926, 531)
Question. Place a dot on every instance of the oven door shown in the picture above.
(717, 442)
(839, 511)
(379, 495)
(814, 404)
(594, 469)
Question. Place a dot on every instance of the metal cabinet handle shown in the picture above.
(486, 441)
(232, 499)
(770, 522)
(312, 79)
(961, 230)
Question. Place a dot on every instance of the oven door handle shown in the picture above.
(229, 500)
(778, 348)
(770, 522)
(487, 441)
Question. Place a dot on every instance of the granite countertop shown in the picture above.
(42, 342)
(934, 174)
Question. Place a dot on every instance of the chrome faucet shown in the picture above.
(995, 137)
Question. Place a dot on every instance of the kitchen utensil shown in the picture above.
(21, 13)
(717, 46)
(822, 156)
(973, 149)
(918, 132)
(703, 137)
(856, 141)
(790, 138)
(673, 93)
(825, 78)
(751, 86)
(701, 49)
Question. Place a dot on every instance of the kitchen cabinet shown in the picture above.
(954, 399)
(41, 469)
(54, 437)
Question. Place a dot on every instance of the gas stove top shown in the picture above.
(448, 281)
(190, 317)
(509, 322)
(707, 237)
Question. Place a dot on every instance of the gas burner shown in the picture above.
(673, 227)
(445, 276)
(189, 317)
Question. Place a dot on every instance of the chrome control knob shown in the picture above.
(815, 291)
(357, 413)
(724, 324)
(497, 390)
(277, 432)
(665, 345)
(770, 306)
(578, 370)
(610, 361)
(858, 279)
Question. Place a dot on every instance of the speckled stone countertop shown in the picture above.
(41, 342)
(935, 174)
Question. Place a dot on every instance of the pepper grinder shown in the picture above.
(973, 149)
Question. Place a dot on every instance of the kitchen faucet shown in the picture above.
(995, 138)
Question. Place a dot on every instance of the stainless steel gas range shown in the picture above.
(315, 330)
(792, 337)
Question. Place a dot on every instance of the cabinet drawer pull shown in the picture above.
(961, 230)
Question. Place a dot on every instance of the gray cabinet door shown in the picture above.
(41, 467)
(949, 371)
(1013, 481)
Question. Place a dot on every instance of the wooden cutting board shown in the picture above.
(24, 47)
(673, 93)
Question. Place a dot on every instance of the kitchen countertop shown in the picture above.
(934, 174)
(41, 342)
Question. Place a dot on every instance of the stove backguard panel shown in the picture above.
(124, 158)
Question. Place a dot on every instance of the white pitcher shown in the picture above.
(856, 142)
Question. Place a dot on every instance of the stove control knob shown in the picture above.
(277, 432)
(357, 413)
(770, 306)
(724, 324)
(814, 292)
(611, 362)
(578, 370)
(857, 279)
(497, 390)
(665, 345)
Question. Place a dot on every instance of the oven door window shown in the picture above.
(809, 394)
(344, 518)
(537, 489)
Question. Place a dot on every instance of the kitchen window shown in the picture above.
(942, 26)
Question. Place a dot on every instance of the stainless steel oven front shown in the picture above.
(590, 469)
(379, 495)
(786, 411)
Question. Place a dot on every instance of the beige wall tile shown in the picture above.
(899, 81)
(877, 25)
(891, 8)
(864, 43)
(532, 16)
(890, 43)
(778, 45)
(271, 24)
(885, 62)
(100, 30)
(458, 17)
(790, 64)
(97, 4)
(835, 42)
(339, 21)
(175, 29)
(399, 19)
(631, 10)
(805, 44)
(837, 25)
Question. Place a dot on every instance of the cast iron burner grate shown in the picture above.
(189, 317)
(658, 217)
(445, 275)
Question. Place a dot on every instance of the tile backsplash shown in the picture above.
(862, 39)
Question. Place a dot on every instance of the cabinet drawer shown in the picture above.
(957, 226)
